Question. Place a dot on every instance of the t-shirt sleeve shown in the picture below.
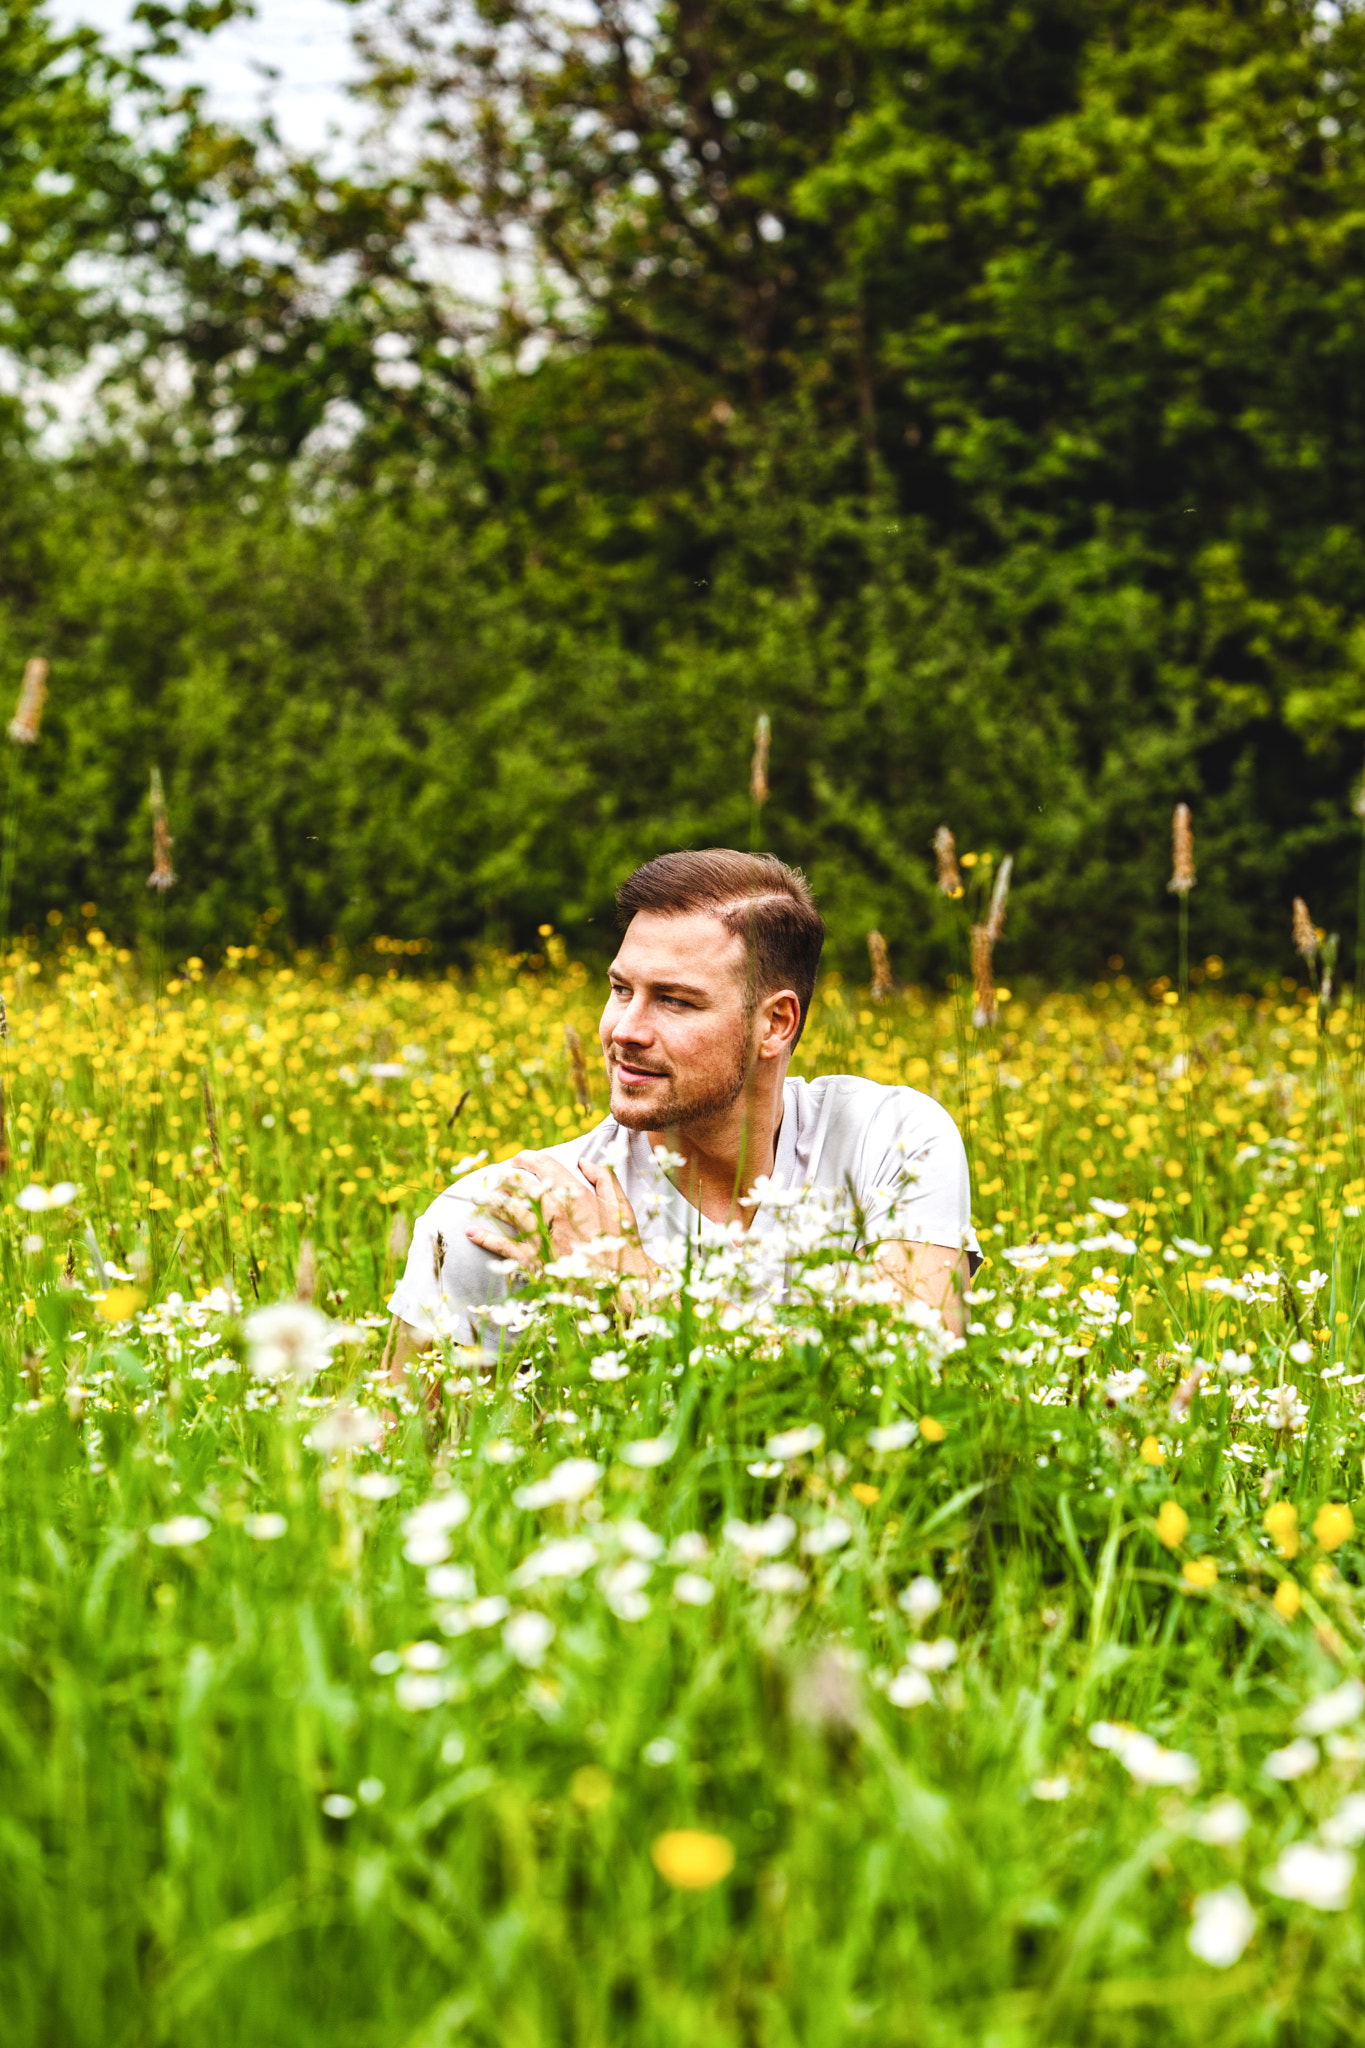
(436, 1291)
(915, 1184)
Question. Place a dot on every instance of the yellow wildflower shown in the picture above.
(1172, 1524)
(932, 1432)
(1150, 1451)
(1282, 1520)
(692, 1859)
(1200, 1572)
(1288, 1599)
(1333, 1525)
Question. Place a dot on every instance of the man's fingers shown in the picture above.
(501, 1247)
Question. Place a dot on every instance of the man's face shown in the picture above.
(674, 1032)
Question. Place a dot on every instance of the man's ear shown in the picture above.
(781, 1020)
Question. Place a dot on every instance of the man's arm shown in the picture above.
(931, 1273)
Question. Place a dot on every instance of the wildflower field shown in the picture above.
(753, 1672)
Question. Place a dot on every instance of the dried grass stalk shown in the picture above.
(883, 984)
(758, 772)
(995, 916)
(1182, 852)
(28, 712)
(163, 874)
(945, 853)
(1305, 936)
(578, 1068)
(985, 1009)
(306, 1272)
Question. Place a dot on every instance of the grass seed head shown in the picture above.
(882, 983)
(1182, 852)
(27, 721)
(758, 772)
(1305, 936)
(945, 853)
(163, 874)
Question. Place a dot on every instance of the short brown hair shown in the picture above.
(757, 897)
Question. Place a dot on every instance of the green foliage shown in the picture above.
(973, 388)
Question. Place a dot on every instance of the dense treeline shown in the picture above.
(977, 388)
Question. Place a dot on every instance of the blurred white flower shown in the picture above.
(623, 1587)
(780, 1578)
(1294, 1761)
(527, 1636)
(1283, 1409)
(1122, 1386)
(338, 1806)
(427, 1527)
(795, 1443)
(489, 1611)
(1301, 1351)
(346, 1428)
(179, 1532)
(609, 1366)
(662, 1750)
(375, 1485)
(265, 1528)
(1051, 1788)
(1236, 1363)
(1345, 1703)
(1345, 1829)
(920, 1599)
(451, 1582)
(1106, 1208)
(909, 1688)
(424, 1656)
(416, 1691)
(1313, 1876)
(572, 1480)
(936, 1656)
(896, 1436)
(693, 1590)
(638, 1539)
(36, 1198)
(499, 1452)
(689, 1548)
(1221, 1825)
(761, 1539)
(648, 1452)
(831, 1534)
(1221, 1927)
(565, 1557)
(291, 1340)
(1194, 1250)
(1143, 1757)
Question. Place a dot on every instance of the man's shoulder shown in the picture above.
(849, 1106)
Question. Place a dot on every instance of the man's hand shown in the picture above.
(576, 1208)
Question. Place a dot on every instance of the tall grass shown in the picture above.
(289, 1754)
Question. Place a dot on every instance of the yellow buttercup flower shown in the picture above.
(932, 1432)
(864, 1494)
(1150, 1451)
(119, 1304)
(1288, 1599)
(1282, 1521)
(692, 1859)
(1172, 1524)
(1200, 1572)
(1333, 1525)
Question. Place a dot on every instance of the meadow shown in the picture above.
(749, 1673)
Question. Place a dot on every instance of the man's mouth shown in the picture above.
(633, 1075)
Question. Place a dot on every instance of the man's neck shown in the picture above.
(723, 1157)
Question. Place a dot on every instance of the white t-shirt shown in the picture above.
(895, 1152)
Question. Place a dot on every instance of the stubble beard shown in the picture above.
(682, 1107)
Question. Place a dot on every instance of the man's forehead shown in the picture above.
(694, 948)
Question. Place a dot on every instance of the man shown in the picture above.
(708, 997)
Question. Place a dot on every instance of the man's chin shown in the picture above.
(639, 1116)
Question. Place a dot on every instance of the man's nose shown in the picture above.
(632, 1026)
